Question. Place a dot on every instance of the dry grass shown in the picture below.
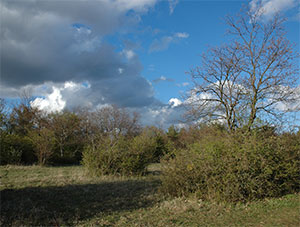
(66, 196)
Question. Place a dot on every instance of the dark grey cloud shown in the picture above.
(40, 45)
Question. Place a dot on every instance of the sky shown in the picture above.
(130, 53)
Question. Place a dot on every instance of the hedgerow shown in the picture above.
(238, 167)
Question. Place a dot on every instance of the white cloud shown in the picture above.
(137, 5)
(129, 54)
(161, 44)
(163, 78)
(271, 7)
(51, 103)
(68, 65)
(53, 45)
(184, 84)
(60, 96)
(70, 84)
(163, 116)
(174, 102)
(291, 105)
(182, 35)
(172, 5)
(164, 42)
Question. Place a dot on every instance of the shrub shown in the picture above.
(124, 156)
(10, 156)
(16, 149)
(43, 141)
(102, 158)
(72, 154)
(234, 168)
(153, 141)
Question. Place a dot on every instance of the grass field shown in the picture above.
(66, 196)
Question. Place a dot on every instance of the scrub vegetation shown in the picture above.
(233, 165)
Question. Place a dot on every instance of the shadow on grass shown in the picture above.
(67, 205)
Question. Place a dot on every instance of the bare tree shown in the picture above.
(219, 96)
(67, 131)
(108, 121)
(253, 76)
(3, 114)
(24, 118)
(115, 121)
(43, 140)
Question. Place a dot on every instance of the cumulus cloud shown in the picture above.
(164, 42)
(60, 96)
(175, 102)
(271, 7)
(57, 51)
(288, 105)
(52, 103)
(56, 97)
(43, 44)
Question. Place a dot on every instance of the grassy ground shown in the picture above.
(66, 196)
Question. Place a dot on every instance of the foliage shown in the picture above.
(234, 168)
(16, 149)
(69, 139)
(10, 156)
(124, 156)
(43, 141)
(23, 118)
(3, 114)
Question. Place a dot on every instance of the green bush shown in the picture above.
(72, 154)
(15, 149)
(10, 156)
(124, 156)
(153, 141)
(234, 168)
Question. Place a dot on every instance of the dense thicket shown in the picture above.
(125, 156)
(235, 167)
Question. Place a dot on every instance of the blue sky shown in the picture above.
(203, 21)
(132, 53)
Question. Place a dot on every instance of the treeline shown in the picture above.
(208, 160)
(109, 135)
(29, 135)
